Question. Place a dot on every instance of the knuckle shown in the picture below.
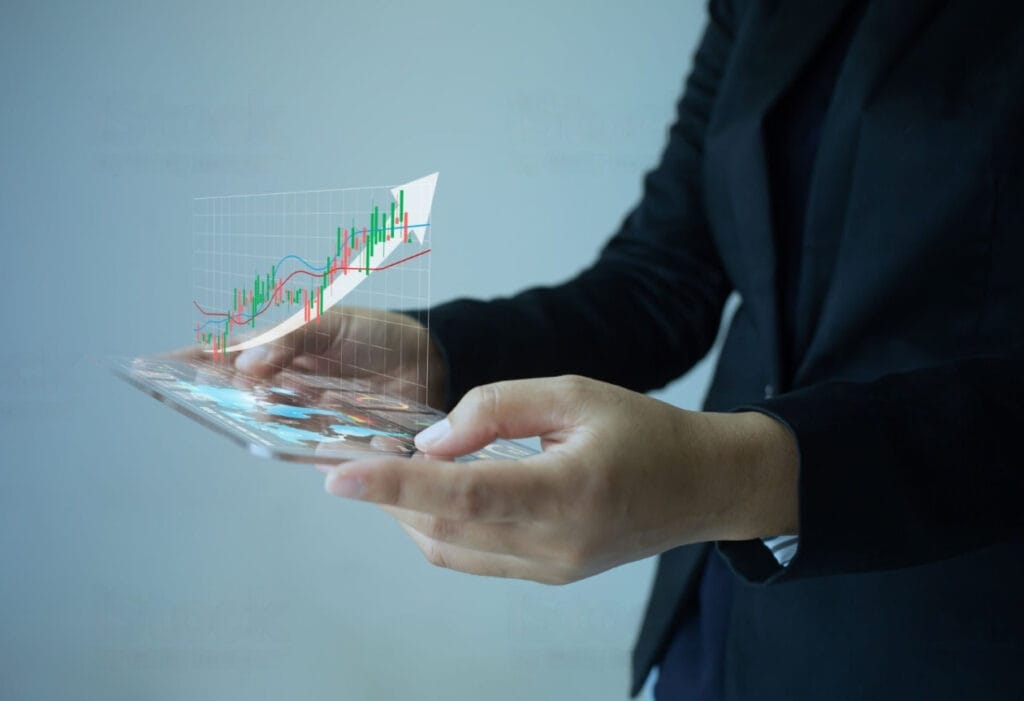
(472, 500)
(391, 490)
(574, 385)
(486, 399)
(575, 395)
(435, 554)
(442, 529)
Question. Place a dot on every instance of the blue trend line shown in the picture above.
(322, 268)
(314, 268)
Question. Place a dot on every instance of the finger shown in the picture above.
(197, 352)
(303, 348)
(516, 409)
(507, 538)
(455, 557)
(496, 490)
(269, 358)
(305, 363)
(195, 356)
(311, 341)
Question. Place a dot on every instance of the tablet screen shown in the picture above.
(292, 416)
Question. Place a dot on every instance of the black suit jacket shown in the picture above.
(906, 393)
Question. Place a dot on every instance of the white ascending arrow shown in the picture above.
(419, 196)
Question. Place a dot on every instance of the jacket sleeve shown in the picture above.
(647, 309)
(905, 470)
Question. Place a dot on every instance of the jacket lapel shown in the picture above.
(771, 49)
(884, 35)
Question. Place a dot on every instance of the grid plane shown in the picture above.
(312, 273)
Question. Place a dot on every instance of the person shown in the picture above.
(854, 171)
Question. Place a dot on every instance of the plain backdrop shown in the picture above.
(144, 557)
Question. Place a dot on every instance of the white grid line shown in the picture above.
(237, 237)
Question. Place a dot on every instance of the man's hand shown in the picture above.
(622, 476)
(392, 351)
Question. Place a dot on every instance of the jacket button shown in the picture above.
(769, 391)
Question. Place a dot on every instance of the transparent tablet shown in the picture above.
(293, 415)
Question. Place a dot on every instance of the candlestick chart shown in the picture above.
(267, 265)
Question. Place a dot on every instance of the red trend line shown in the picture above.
(331, 271)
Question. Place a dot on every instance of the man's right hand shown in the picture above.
(394, 352)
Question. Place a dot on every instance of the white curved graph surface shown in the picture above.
(419, 197)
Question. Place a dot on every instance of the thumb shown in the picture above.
(515, 409)
(268, 358)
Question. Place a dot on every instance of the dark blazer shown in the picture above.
(906, 393)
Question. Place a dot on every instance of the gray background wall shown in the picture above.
(143, 557)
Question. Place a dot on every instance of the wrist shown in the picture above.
(761, 459)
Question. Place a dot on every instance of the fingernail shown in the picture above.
(344, 486)
(432, 434)
(254, 356)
